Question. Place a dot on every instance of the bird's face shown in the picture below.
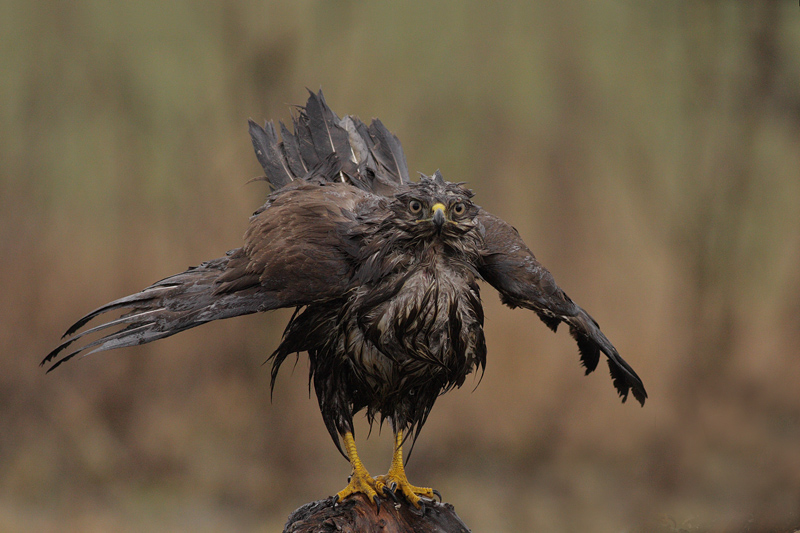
(437, 213)
(435, 208)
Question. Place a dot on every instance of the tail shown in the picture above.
(165, 308)
(591, 342)
(325, 147)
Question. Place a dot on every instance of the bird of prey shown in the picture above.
(382, 272)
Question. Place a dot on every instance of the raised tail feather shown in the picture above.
(368, 157)
(172, 305)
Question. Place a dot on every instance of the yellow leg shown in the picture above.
(360, 480)
(396, 478)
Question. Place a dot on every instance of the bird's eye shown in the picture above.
(415, 206)
(459, 208)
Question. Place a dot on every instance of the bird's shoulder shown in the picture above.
(301, 240)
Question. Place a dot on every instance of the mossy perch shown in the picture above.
(357, 514)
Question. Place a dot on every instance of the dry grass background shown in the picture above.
(648, 153)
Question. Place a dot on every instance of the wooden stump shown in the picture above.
(357, 514)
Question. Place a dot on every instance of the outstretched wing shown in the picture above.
(297, 251)
(510, 267)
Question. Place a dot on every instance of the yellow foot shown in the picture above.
(395, 481)
(361, 482)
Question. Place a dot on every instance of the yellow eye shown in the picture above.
(415, 206)
(459, 208)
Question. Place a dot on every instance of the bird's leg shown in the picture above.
(360, 480)
(396, 479)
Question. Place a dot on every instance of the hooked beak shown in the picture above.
(438, 216)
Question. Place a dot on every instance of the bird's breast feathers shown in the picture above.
(430, 316)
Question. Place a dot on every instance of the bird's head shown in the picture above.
(433, 207)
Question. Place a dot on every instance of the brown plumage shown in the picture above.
(383, 273)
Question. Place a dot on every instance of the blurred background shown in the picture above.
(648, 152)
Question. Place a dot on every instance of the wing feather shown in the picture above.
(510, 267)
(296, 251)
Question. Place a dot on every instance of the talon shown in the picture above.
(438, 495)
(359, 480)
(396, 481)
(390, 493)
(377, 504)
(421, 508)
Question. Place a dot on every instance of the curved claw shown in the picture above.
(377, 504)
(421, 508)
(389, 491)
(438, 495)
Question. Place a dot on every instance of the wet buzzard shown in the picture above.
(382, 272)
